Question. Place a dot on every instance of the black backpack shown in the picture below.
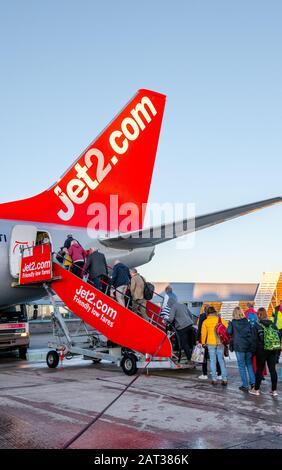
(149, 290)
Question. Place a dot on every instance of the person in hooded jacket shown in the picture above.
(250, 313)
(214, 344)
(244, 345)
(204, 375)
(265, 356)
(78, 256)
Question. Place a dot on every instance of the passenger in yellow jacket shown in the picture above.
(67, 259)
(215, 347)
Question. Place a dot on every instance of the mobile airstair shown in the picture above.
(116, 333)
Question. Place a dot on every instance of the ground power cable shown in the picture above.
(94, 420)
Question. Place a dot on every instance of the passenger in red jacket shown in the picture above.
(78, 255)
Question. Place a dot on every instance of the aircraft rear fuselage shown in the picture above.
(58, 234)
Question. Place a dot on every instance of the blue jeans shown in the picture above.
(244, 360)
(217, 352)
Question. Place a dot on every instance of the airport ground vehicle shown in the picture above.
(14, 330)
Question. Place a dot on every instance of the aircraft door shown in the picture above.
(22, 236)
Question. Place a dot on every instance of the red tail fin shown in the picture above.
(119, 162)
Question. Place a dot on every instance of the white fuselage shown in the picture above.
(10, 295)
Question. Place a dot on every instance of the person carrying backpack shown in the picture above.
(137, 286)
(268, 343)
(250, 313)
(240, 330)
(214, 342)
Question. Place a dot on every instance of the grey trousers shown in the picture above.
(139, 307)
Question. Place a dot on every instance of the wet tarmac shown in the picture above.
(45, 408)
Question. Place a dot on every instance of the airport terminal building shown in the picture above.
(194, 294)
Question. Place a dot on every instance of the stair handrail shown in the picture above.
(155, 317)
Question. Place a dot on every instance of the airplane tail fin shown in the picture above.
(111, 178)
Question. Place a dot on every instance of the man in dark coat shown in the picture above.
(96, 267)
(120, 280)
(181, 316)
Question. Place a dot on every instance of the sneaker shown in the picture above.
(219, 377)
(254, 392)
(274, 393)
(224, 383)
(203, 377)
(243, 389)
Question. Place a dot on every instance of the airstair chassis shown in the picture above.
(66, 346)
(129, 361)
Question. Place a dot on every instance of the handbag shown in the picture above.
(198, 354)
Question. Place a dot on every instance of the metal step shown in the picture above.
(227, 308)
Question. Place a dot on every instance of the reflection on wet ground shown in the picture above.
(44, 408)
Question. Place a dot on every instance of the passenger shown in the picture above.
(67, 262)
(250, 313)
(183, 322)
(265, 329)
(277, 320)
(42, 238)
(215, 347)
(68, 241)
(97, 268)
(165, 311)
(78, 255)
(240, 329)
(120, 280)
(137, 285)
(204, 375)
(169, 294)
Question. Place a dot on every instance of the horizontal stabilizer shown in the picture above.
(154, 235)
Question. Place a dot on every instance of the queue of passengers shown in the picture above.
(125, 285)
(254, 337)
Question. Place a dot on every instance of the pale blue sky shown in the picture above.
(67, 67)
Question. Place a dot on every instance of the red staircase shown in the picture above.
(119, 324)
